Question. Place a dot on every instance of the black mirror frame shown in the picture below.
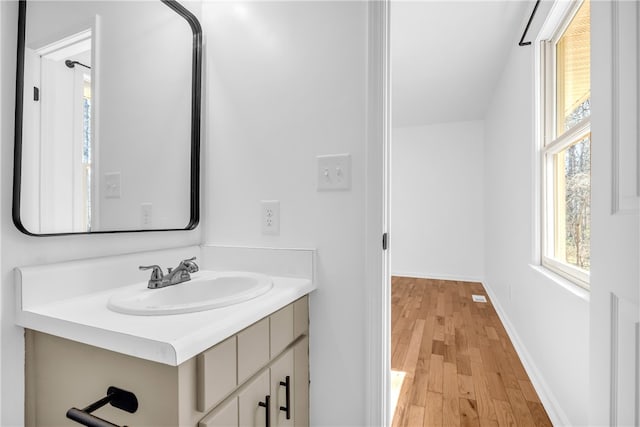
(196, 98)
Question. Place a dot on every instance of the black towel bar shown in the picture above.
(117, 397)
(522, 42)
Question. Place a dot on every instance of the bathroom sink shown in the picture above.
(205, 291)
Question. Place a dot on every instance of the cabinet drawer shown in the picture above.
(253, 349)
(281, 329)
(216, 373)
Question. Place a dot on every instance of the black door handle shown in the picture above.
(267, 406)
(287, 390)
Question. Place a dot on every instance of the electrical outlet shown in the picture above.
(112, 185)
(270, 216)
(146, 215)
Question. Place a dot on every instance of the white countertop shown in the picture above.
(168, 339)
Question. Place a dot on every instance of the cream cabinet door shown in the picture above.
(251, 412)
(282, 391)
(224, 416)
(301, 382)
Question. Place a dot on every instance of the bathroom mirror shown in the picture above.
(107, 117)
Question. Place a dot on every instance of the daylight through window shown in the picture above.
(566, 151)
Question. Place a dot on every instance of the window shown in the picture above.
(86, 152)
(566, 147)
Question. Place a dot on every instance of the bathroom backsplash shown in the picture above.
(53, 282)
(283, 262)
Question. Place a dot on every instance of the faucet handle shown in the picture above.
(156, 274)
(190, 265)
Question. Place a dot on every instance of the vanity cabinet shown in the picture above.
(222, 386)
(247, 407)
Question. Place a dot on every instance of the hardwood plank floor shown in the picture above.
(461, 368)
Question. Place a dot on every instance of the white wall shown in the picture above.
(550, 323)
(3, 137)
(285, 83)
(144, 59)
(437, 201)
(18, 249)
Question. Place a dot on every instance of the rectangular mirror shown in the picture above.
(107, 117)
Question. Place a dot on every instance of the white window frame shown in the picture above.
(549, 146)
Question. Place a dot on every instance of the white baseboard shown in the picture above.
(548, 399)
(453, 277)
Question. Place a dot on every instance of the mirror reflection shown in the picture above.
(108, 102)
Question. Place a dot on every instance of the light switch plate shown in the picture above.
(334, 172)
(112, 185)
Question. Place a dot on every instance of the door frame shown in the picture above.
(377, 276)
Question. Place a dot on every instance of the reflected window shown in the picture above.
(86, 151)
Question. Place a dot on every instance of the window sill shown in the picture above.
(568, 285)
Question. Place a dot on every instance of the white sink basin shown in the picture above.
(205, 291)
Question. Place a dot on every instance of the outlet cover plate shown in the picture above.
(146, 215)
(334, 172)
(112, 185)
(270, 217)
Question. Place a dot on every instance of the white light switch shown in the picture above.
(334, 172)
(112, 185)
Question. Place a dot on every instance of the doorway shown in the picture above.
(451, 357)
(594, 333)
(59, 97)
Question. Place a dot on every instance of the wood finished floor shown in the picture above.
(461, 368)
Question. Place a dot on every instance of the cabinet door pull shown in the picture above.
(287, 390)
(267, 410)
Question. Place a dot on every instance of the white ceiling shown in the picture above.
(447, 56)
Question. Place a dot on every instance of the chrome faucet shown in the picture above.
(180, 274)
